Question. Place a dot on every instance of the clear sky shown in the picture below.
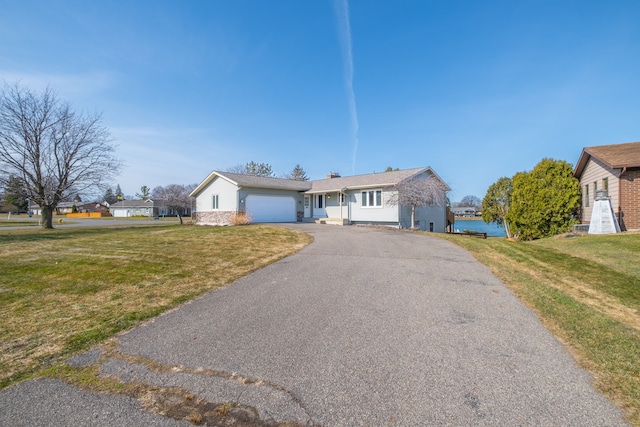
(475, 89)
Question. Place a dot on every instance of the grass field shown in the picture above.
(586, 290)
(65, 290)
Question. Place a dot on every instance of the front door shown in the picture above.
(307, 206)
(318, 209)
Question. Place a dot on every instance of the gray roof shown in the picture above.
(133, 204)
(263, 182)
(382, 179)
(67, 204)
(242, 180)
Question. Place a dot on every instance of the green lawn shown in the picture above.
(586, 290)
(65, 290)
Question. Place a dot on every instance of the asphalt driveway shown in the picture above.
(363, 327)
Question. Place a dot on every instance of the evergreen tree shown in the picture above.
(259, 169)
(15, 194)
(144, 193)
(110, 197)
(544, 201)
(298, 174)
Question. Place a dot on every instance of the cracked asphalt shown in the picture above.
(363, 327)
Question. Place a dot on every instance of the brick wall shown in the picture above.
(630, 199)
(214, 217)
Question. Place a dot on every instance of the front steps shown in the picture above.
(332, 221)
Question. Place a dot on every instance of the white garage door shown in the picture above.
(271, 208)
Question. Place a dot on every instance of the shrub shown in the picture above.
(240, 218)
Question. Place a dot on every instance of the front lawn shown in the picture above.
(63, 291)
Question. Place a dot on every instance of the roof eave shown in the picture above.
(207, 181)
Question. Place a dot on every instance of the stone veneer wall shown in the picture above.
(214, 217)
(630, 199)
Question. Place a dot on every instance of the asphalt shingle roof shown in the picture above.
(382, 179)
(133, 204)
(615, 156)
(263, 182)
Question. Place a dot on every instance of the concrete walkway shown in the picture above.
(364, 327)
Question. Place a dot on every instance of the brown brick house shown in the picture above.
(615, 169)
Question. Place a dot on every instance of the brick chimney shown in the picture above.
(333, 175)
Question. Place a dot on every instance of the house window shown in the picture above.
(341, 197)
(372, 199)
(214, 202)
(605, 184)
(586, 195)
(595, 186)
(320, 201)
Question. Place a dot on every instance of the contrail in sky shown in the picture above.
(344, 31)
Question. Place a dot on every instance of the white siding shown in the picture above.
(227, 196)
(424, 216)
(386, 213)
(332, 206)
(596, 171)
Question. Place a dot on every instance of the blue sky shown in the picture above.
(475, 89)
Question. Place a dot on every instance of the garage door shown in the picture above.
(271, 208)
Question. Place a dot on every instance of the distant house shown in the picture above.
(102, 207)
(616, 170)
(65, 208)
(131, 208)
(465, 211)
(360, 199)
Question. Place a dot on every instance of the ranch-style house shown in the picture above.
(360, 199)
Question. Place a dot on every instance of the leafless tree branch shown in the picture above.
(419, 190)
(52, 148)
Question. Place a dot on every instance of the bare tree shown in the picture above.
(52, 148)
(239, 169)
(418, 191)
(175, 196)
(471, 201)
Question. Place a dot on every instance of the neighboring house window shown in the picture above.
(586, 195)
(372, 198)
(595, 187)
(214, 202)
(605, 184)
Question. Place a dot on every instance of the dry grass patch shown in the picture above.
(62, 291)
(586, 290)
